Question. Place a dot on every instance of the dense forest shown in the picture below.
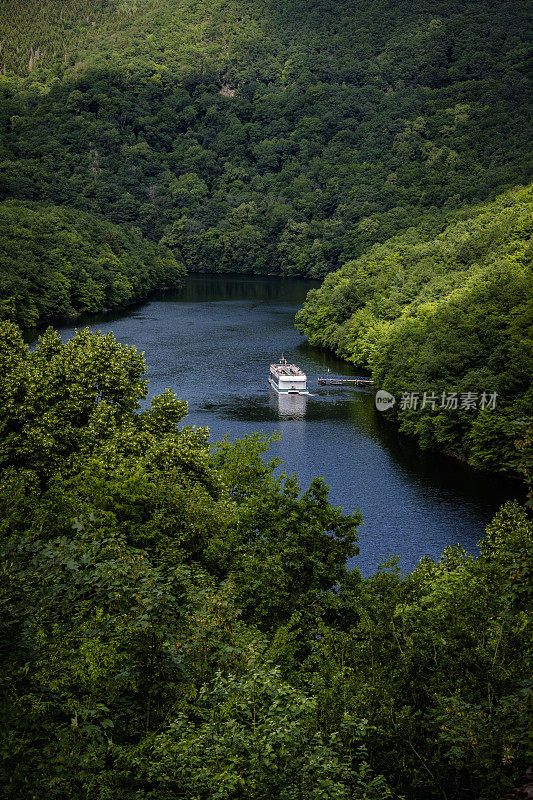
(439, 315)
(56, 262)
(170, 626)
(177, 618)
(262, 137)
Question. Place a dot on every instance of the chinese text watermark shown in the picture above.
(442, 401)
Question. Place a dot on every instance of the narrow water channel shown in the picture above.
(212, 344)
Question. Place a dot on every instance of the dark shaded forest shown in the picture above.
(261, 137)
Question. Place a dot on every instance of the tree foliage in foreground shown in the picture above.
(178, 622)
(439, 315)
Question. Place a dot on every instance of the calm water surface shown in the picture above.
(212, 344)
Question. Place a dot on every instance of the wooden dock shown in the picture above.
(356, 381)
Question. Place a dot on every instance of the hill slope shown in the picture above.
(264, 137)
(449, 314)
(56, 262)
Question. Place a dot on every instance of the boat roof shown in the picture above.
(290, 370)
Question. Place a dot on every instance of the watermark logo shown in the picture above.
(444, 401)
(384, 400)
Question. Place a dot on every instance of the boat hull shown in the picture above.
(287, 391)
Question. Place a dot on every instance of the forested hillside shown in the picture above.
(56, 262)
(177, 622)
(264, 137)
(439, 315)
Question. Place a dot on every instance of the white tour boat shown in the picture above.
(287, 378)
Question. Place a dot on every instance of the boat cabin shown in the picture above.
(287, 378)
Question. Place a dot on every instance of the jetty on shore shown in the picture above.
(355, 381)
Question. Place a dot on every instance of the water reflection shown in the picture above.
(288, 406)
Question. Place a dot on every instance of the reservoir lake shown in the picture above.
(212, 343)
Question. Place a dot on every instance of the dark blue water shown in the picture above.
(212, 344)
